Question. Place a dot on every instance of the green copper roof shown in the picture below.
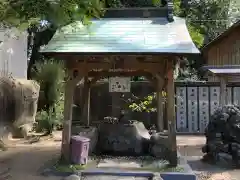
(124, 35)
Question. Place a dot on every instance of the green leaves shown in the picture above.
(156, 2)
(147, 104)
(195, 34)
(23, 26)
(50, 75)
(194, 31)
(209, 17)
(24, 13)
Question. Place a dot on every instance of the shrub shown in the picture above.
(50, 75)
(48, 121)
(146, 104)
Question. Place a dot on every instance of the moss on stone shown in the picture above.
(64, 167)
(68, 167)
(155, 169)
(148, 164)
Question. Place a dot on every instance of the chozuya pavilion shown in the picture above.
(125, 42)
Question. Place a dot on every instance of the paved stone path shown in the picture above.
(190, 147)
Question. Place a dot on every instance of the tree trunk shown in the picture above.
(38, 39)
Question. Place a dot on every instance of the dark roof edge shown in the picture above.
(221, 36)
(147, 12)
(207, 67)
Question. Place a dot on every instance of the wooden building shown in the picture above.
(125, 42)
(222, 57)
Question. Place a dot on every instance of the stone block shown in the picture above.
(18, 99)
(129, 138)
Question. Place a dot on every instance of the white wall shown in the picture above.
(13, 53)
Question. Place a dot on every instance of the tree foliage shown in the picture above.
(25, 13)
(208, 17)
(205, 19)
(180, 10)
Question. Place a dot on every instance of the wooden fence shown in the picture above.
(195, 102)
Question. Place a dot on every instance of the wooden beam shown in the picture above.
(171, 114)
(127, 63)
(88, 66)
(223, 90)
(66, 133)
(123, 73)
(96, 75)
(160, 122)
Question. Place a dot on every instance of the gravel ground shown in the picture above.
(189, 145)
(190, 148)
(22, 161)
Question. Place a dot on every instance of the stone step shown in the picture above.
(131, 163)
(105, 177)
(116, 163)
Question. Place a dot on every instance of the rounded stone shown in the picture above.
(123, 138)
(222, 134)
(73, 177)
(156, 176)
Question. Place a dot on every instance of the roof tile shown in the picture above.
(124, 35)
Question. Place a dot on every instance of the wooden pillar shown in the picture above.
(88, 103)
(67, 125)
(160, 122)
(223, 91)
(171, 115)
